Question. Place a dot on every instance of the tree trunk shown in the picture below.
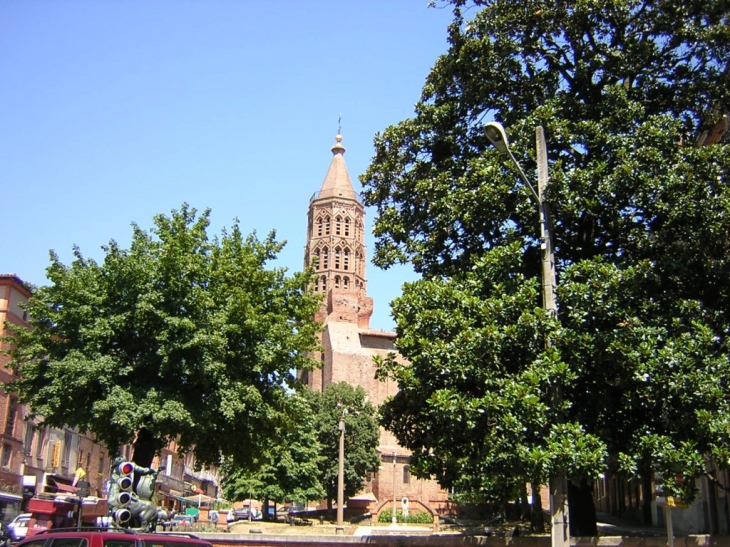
(145, 448)
(524, 504)
(646, 496)
(582, 509)
(330, 509)
(537, 521)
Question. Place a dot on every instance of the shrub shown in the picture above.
(414, 517)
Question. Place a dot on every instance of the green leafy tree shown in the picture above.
(361, 436)
(178, 337)
(631, 95)
(290, 467)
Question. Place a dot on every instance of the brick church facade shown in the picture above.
(335, 237)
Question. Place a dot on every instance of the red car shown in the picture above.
(109, 537)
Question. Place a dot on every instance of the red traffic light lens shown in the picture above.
(126, 468)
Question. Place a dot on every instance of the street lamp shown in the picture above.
(341, 475)
(560, 535)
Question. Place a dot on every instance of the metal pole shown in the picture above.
(670, 530)
(341, 475)
(559, 530)
(395, 512)
(546, 236)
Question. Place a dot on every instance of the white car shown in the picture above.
(18, 527)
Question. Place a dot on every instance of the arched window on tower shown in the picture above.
(358, 262)
(316, 256)
(338, 225)
(347, 227)
(338, 252)
(346, 260)
(324, 283)
(316, 285)
(325, 258)
(327, 221)
(319, 227)
(346, 282)
(337, 282)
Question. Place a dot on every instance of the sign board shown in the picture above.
(669, 501)
(83, 489)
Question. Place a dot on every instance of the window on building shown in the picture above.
(319, 227)
(327, 222)
(10, 419)
(358, 262)
(346, 259)
(28, 441)
(346, 282)
(67, 442)
(338, 225)
(347, 227)
(39, 443)
(324, 283)
(316, 255)
(337, 282)
(338, 252)
(325, 258)
(406, 474)
(7, 450)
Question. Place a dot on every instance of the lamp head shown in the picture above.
(497, 136)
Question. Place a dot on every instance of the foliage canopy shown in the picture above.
(631, 95)
(288, 470)
(178, 337)
(361, 436)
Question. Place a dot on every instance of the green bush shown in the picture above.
(414, 517)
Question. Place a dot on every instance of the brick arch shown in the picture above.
(389, 503)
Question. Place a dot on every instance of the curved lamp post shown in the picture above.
(560, 536)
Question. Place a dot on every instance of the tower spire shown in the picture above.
(336, 244)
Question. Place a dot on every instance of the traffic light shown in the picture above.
(124, 482)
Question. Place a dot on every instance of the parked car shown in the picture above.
(106, 537)
(285, 512)
(242, 514)
(18, 527)
(182, 520)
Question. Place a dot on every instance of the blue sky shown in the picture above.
(114, 111)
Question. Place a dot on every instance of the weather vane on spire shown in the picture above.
(339, 124)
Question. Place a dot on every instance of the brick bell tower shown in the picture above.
(335, 245)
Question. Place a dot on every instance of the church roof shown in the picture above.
(337, 182)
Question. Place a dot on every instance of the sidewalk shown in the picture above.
(609, 525)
